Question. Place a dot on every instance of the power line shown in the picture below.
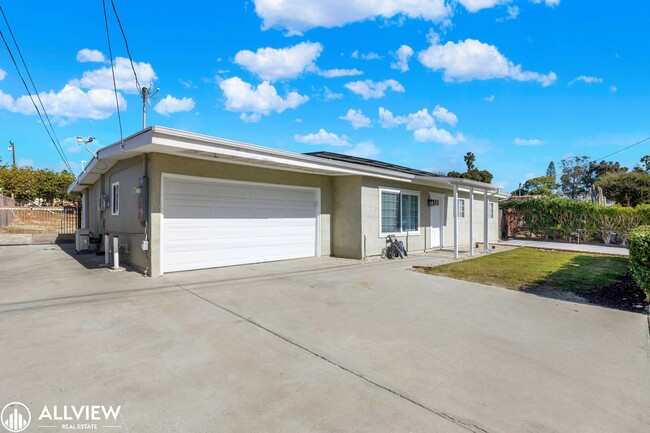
(110, 53)
(126, 43)
(621, 150)
(55, 139)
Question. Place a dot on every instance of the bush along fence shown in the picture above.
(639, 241)
(571, 220)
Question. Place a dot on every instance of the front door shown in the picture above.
(437, 212)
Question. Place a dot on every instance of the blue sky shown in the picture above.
(417, 83)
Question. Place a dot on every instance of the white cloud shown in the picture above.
(298, 16)
(402, 56)
(329, 95)
(334, 73)
(419, 120)
(443, 115)
(322, 137)
(70, 102)
(365, 56)
(169, 105)
(436, 135)
(371, 89)
(528, 142)
(489, 98)
(371, 56)
(549, 3)
(262, 100)
(103, 79)
(356, 119)
(477, 5)
(513, 12)
(613, 89)
(423, 124)
(3, 74)
(187, 84)
(474, 60)
(586, 79)
(388, 120)
(250, 118)
(365, 149)
(88, 55)
(273, 64)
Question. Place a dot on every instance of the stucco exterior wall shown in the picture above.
(347, 238)
(375, 241)
(161, 163)
(125, 225)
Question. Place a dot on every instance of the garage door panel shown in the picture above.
(212, 223)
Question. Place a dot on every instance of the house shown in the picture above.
(203, 202)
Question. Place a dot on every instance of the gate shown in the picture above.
(37, 219)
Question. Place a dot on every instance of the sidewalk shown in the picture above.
(566, 246)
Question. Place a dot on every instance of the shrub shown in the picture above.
(560, 218)
(639, 240)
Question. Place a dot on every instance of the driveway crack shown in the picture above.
(465, 424)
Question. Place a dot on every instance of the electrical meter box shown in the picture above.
(143, 198)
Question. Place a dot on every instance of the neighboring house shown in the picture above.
(204, 202)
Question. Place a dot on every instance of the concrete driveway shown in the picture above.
(315, 345)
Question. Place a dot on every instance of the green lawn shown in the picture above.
(524, 268)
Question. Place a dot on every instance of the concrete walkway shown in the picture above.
(566, 246)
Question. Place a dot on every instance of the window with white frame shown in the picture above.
(461, 208)
(115, 198)
(491, 210)
(399, 211)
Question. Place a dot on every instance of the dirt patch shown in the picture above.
(624, 294)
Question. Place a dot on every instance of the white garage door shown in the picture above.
(212, 223)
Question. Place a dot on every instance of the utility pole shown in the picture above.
(146, 97)
(12, 147)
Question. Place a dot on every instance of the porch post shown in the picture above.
(455, 221)
(485, 221)
(471, 221)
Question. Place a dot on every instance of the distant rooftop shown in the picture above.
(371, 163)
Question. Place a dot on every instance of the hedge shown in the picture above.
(639, 240)
(559, 218)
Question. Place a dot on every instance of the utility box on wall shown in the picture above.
(143, 198)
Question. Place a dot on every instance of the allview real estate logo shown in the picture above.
(15, 417)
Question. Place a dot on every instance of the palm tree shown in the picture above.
(469, 160)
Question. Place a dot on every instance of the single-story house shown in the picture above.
(179, 201)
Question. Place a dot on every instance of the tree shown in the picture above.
(470, 158)
(645, 163)
(542, 185)
(597, 170)
(575, 173)
(627, 189)
(472, 172)
(550, 171)
(27, 184)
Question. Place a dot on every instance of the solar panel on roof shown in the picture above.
(370, 163)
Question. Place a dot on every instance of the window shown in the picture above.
(400, 212)
(461, 208)
(115, 198)
(491, 210)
